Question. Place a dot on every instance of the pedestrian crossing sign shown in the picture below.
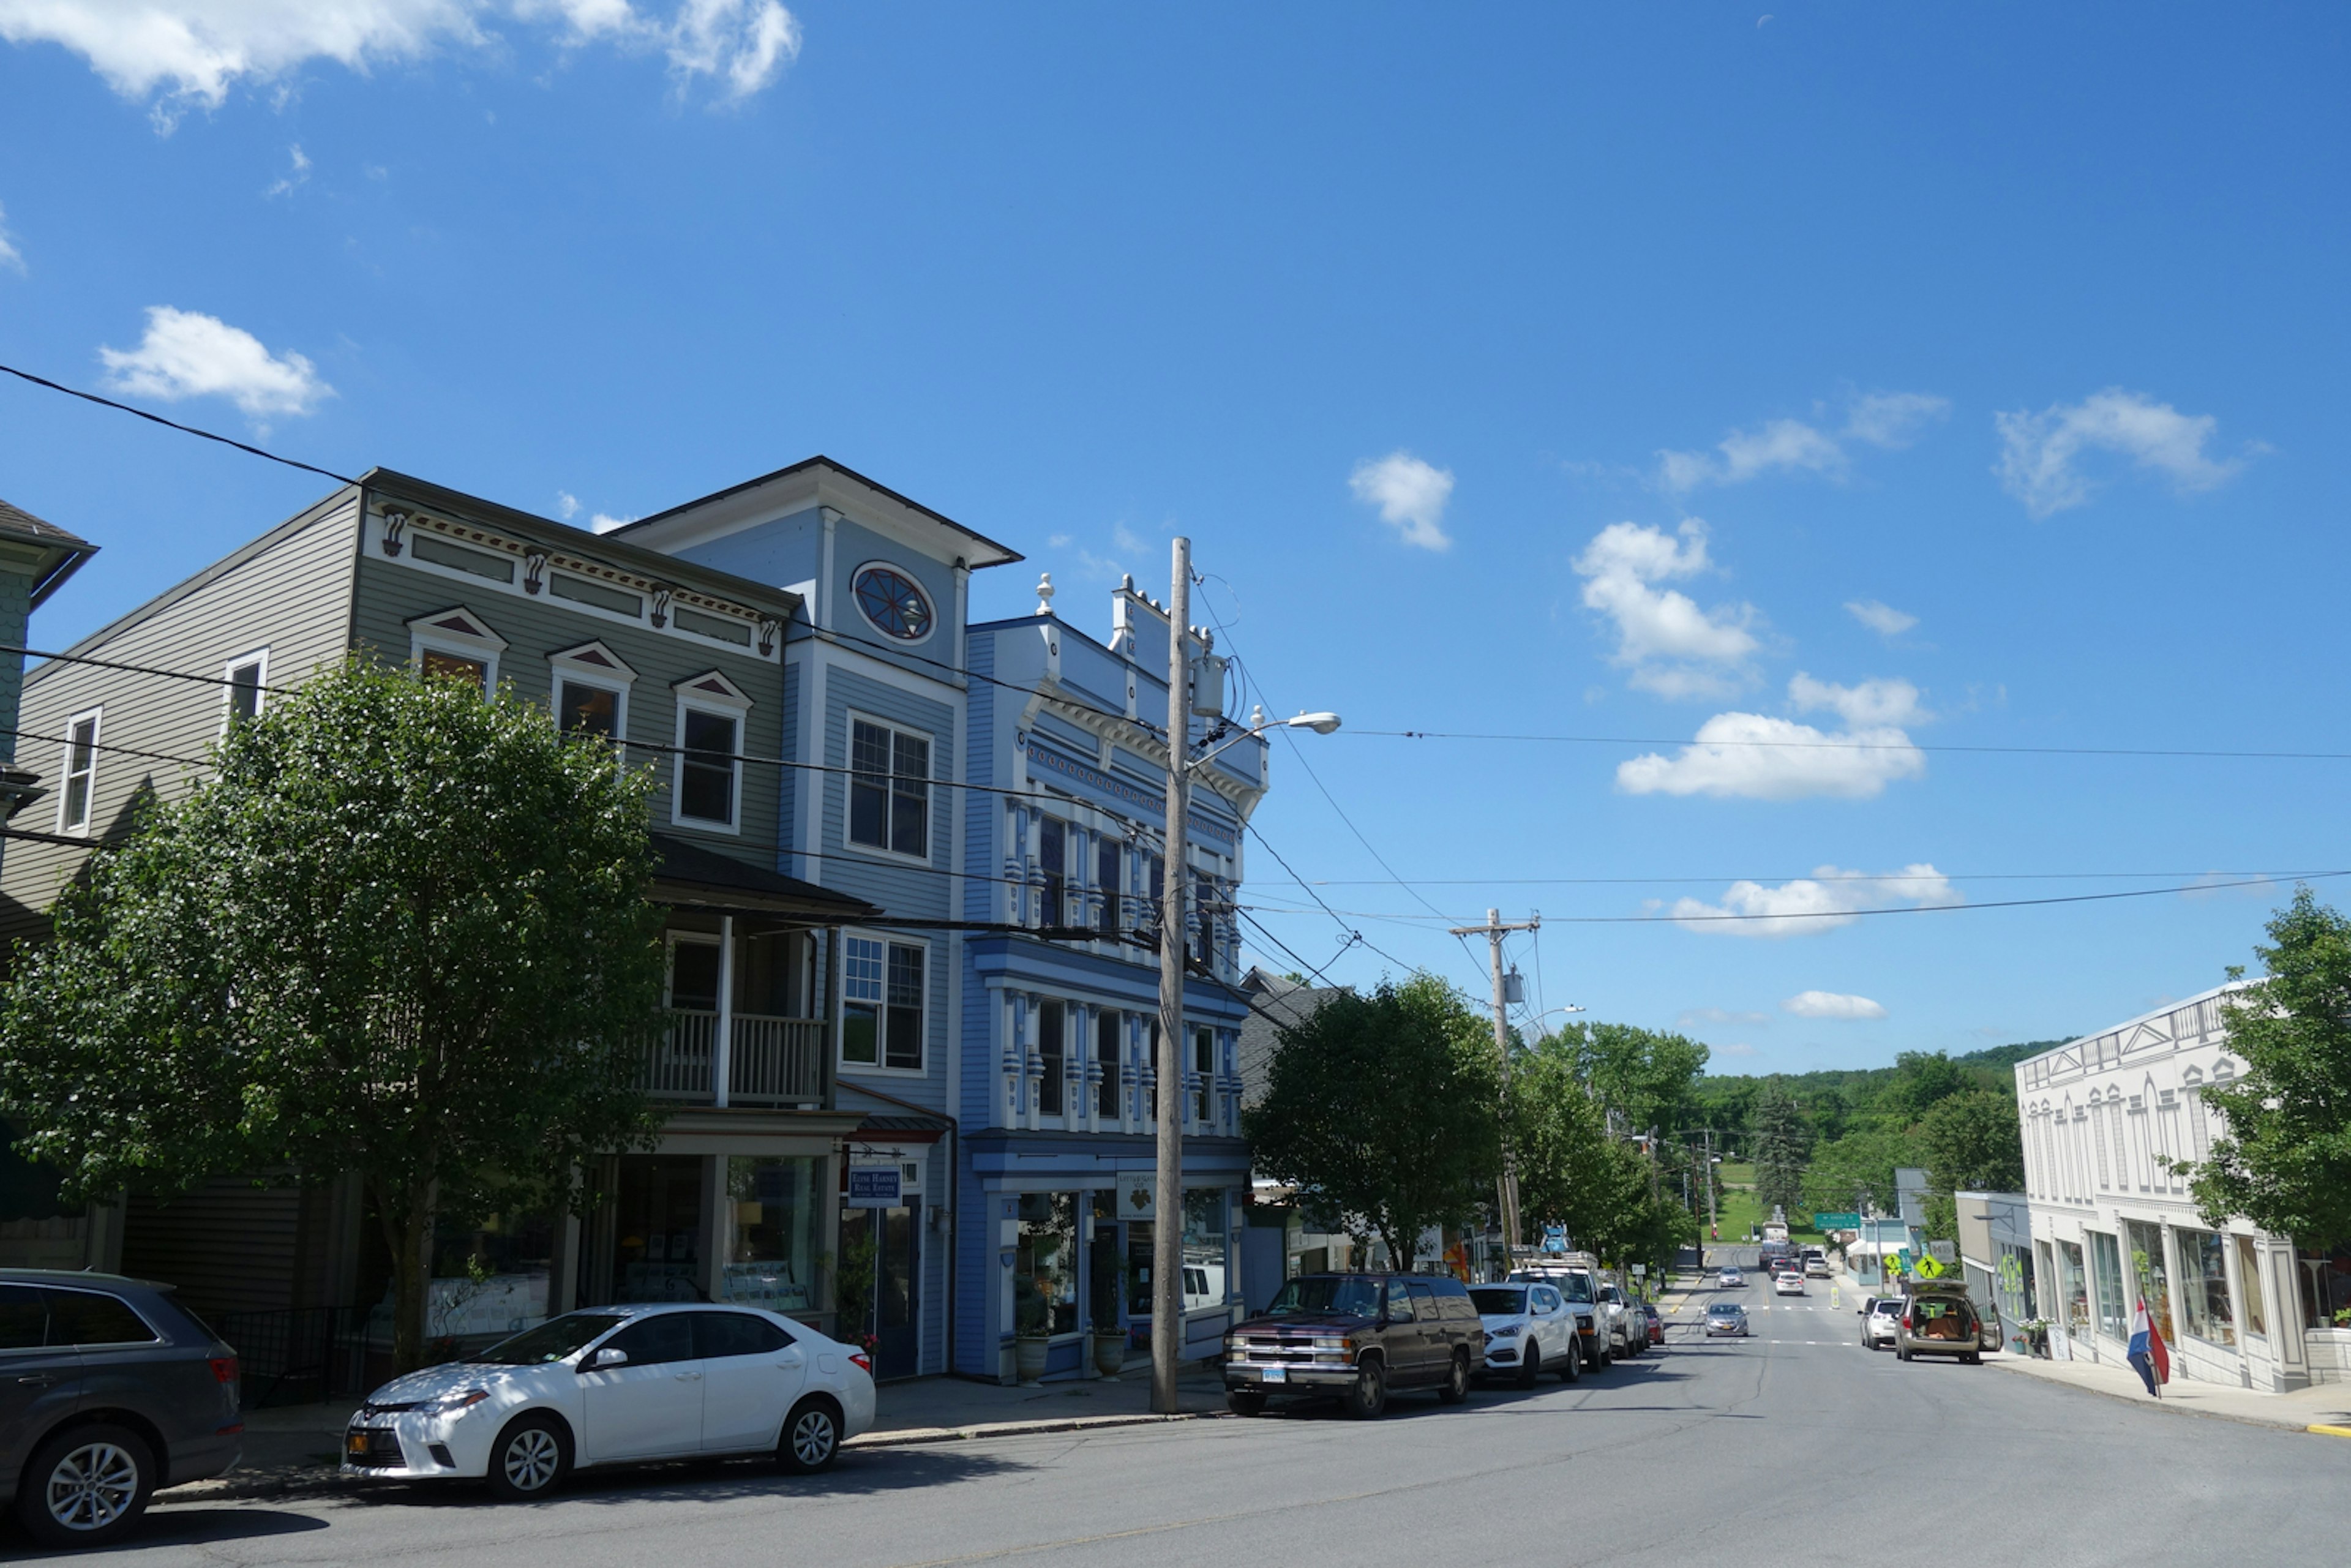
(1928, 1268)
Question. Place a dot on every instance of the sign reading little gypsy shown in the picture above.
(1119, 789)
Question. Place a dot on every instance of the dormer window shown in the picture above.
(892, 603)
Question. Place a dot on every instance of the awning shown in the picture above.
(688, 876)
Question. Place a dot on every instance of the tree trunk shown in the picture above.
(408, 1222)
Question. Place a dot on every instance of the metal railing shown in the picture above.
(774, 1060)
(300, 1356)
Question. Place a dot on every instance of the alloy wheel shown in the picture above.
(532, 1460)
(92, 1487)
(814, 1438)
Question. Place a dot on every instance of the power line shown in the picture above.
(1905, 744)
(176, 424)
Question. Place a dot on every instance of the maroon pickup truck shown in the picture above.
(1358, 1337)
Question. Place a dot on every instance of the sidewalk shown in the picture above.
(2324, 1408)
(298, 1448)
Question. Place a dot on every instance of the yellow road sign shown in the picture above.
(1928, 1268)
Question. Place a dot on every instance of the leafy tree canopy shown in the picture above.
(1385, 1109)
(399, 930)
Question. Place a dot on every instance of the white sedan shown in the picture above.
(617, 1386)
(1788, 1285)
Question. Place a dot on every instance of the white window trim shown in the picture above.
(849, 756)
(889, 638)
(882, 1048)
(228, 690)
(615, 678)
(721, 708)
(484, 650)
(97, 718)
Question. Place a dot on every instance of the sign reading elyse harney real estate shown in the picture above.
(873, 1186)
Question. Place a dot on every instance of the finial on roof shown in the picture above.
(1126, 583)
(1044, 593)
(1256, 716)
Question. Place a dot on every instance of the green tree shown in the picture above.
(2283, 1158)
(1862, 1162)
(1973, 1142)
(1781, 1142)
(399, 930)
(1385, 1109)
(1645, 1078)
(1922, 1078)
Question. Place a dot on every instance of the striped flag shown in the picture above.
(2147, 1353)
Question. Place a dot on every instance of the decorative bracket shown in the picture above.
(394, 524)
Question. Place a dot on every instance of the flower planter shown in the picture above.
(1029, 1356)
(1110, 1352)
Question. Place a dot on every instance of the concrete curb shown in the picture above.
(313, 1481)
(2169, 1407)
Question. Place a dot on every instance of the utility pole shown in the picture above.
(1167, 1222)
(1494, 930)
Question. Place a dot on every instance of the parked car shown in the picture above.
(1816, 1267)
(1788, 1285)
(109, 1391)
(1725, 1318)
(1881, 1321)
(1529, 1332)
(1359, 1336)
(1576, 1284)
(1730, 1278)
(617, 1386)
(1619, 1312)
(1653, 1324)
(1937, 1319)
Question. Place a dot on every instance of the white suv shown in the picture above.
(1881, 1320)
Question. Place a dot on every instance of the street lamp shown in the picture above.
(1167, 1231)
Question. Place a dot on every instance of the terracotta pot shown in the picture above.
(1029, 1356)
(1110, 1352)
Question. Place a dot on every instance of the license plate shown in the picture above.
(1276, 1374)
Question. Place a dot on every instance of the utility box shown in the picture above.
(1207, 686)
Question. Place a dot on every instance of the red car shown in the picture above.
(1656, 1324)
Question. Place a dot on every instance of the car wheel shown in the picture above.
(1244, 1401)
(86, 1486)
(1455, 1387)
(1571, 1369)
(1368, 1399)
(1607, 1356)
(1901, 1351)
(811, 1440)
(529, 1459)
(1530, 1365)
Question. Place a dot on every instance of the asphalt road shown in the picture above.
(1796, 1445)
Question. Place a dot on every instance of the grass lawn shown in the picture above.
(1741, 1213)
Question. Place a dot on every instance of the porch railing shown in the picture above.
(774, 1060)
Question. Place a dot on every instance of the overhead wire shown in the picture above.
(176, 424)
(1828, 745)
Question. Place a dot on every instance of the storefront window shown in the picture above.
(1045, 1266)
(1204, 1248)
(2073, 1289)
(489, 1277)
(2249, 1287)
(772, 1233)
(2326, 1287)
(657, 1228)
(2148, 1271)
(2114, 1312)
(2204, 1288)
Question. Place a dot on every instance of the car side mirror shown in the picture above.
(610, 1355)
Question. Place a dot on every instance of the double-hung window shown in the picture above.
(889, 789)
(1107, 866)
(706, 770)
(80, 772)
(1204, 944)
(1204, 1063)
(881, 1004)
(244, 678)
(1106, 1053)
(1053, 1038)
(1053, 862)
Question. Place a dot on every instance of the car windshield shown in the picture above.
(1355, 1297)
(1723, 1309)
(1498, 1300)
(550, 1340)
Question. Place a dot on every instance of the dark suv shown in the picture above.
(1358, 1336)
(107, 1390)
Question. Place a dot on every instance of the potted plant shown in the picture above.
(1110, 1276)
(1031, 1332)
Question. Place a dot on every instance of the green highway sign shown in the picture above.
(1836, 1222)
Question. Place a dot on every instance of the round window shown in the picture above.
(891, 601)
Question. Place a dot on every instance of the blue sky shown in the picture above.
(1927, 376)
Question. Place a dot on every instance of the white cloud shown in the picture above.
(1832, 1005)
(1672, 647)
(10, 257)
(1790, 446)
(1124, 539)
(2038, 451)
(1871, 704)
(186, 354)
(183, 52)
(1825, 900)
(297, 175)
(604, 523)
(567, 504)
(1882, 619)
(1409, 493)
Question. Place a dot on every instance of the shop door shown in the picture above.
(897, 1276)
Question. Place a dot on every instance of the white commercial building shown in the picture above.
(2103, 1118)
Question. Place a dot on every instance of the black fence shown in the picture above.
(302, 1355)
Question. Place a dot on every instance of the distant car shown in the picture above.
(1529, 1331)
(1788, 1285)
(109, 1389)
(617, 1386)
(1881, 1321)
(1731, 1279)
(1657, 1324)
(1817, 1268)
(1725, 1318)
